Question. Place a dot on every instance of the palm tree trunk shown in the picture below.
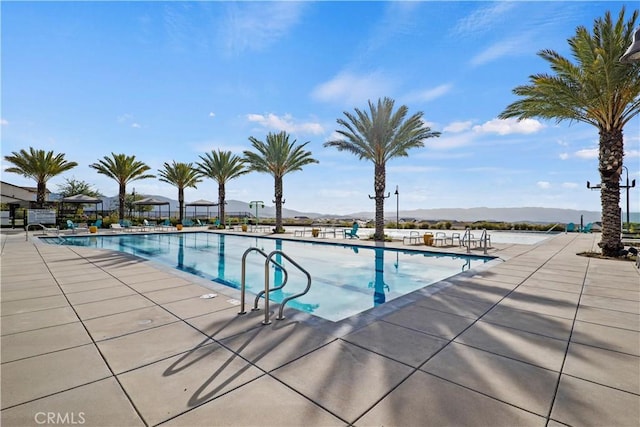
(121, 196)
(41, 192)
(180, 202)
(379, 183)
(221, 197)
(278, 195)
(610, 166)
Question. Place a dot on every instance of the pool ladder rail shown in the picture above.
(269, 260)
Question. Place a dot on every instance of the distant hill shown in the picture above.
(526, 214)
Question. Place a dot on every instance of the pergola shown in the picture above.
(81, 199)
(150, 201)
(201, 202)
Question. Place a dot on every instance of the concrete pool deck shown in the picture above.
(100, 338)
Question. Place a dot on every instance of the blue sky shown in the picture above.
(170, 81)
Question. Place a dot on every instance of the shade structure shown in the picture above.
(82, 199)
(203, 203)
(151, 201)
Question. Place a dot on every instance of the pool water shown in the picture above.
(346, 279)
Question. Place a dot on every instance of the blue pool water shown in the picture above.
(346, 279)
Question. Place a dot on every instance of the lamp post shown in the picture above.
(256, 204)
(627, 187)
(397, 209)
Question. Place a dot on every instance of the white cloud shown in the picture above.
(428, 94)
(456, 127)
(587, 153)
(509, 126)
(482, 19)
(212, 114)
(254, 26)
(544, 184)
(564, 156)
(350, 89)
(450, 142)
(136, 125)
(496, 51)
(631, 153)
(4, 122)
(286, 123)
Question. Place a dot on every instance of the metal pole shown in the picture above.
(397, 209)
(627, 187)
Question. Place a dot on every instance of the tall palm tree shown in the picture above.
(380, 135)
(277, 157)
(40, 166)
(222, 166)
(597, 89)
(123, 169)
(181, 175)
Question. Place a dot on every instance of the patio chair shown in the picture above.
(75, 227)
(187, 223)
(587, 228)
(116, 227)
(165, 225)
(353, 233)
(441, 237)
(571, 227)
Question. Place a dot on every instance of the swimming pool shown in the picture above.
(346, 279)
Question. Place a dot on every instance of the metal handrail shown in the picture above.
(44, 229)
(243, 278)
(266, 320)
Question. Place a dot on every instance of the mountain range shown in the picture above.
(524, 214)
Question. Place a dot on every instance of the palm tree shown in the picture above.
(380, 135)
(123, 169)
(278, 157)
(181, 175)
(597, 89)
(40, 166)
(222, 166)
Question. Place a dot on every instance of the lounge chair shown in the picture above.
(587, 228)
(116, 227)
(165, 225)
(353, 233)
(98, 223)
(187, 223)
(571, 227)
(75, 227)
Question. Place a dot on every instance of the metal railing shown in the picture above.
(265, 293)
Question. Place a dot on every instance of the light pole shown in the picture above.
(627, 187)
(256, 204)
(397, 209)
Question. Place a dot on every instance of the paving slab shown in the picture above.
(40, 376)
(95, 295)
(452, 304)
(37, 319)
(226, 323)
(36, 292)
(617, 319)
(170, 387)
(177, 293)
(606, 367)
(197, 306)
(328, 377)
(601, 291)
(521, 384)
(95, 309)
(427, 400)
(607, 337)
(102, 403)
(617, 304)
(41, 341)
(272, 346)
(433, 322)
(32, 304)
(584, 403)
(119, 324)
(396, 342)
(125, 353)
(272, 404)
(537, 323)
(535, 349)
